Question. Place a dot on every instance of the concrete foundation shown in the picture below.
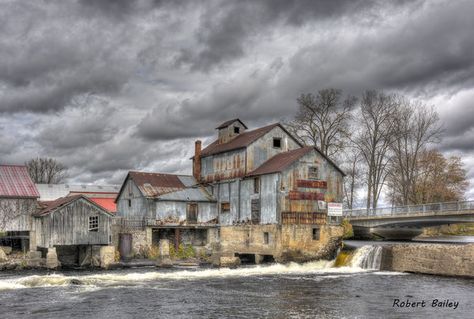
(52, 261)
(164, 259)
(435, 259)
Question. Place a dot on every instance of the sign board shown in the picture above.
(334, 209)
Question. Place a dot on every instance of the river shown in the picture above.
(311, 290)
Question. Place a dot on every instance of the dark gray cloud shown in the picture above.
(108, 86)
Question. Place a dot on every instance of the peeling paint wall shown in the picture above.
(174, 211)
(227, 165)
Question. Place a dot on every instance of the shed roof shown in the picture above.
(227, 123)
(47, 207)
(16, 182)
(156, 184)
(281, 161)
(240, 141)
(198, 194)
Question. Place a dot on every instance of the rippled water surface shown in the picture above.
(313, 290)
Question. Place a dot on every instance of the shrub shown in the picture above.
(348, 231)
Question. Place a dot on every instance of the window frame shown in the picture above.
(279, 142)
(266, 238)
(256, 185)
(313, 176)
(93, 223)
(225, 207)
(236, 130)
(315, 233)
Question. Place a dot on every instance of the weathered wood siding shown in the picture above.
(175, 211)
(262, 149)
(15, 213)
(227, 133)
(69, 225)
(140, 206)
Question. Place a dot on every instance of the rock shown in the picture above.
(33, 255)
(164, 262)
(6, 249)
(3, 256)
(52, 261)
(229, 261)
(107, 256)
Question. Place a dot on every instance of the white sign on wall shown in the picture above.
(334, 209)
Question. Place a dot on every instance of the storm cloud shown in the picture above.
(109, 86)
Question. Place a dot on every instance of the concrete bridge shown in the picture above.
(406, 222)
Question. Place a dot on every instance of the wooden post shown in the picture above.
(176, 239)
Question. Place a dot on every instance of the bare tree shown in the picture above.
(374, 139)
(415, 126)
(46, 170)
(14, 212)
(352, 168)
(322, 120)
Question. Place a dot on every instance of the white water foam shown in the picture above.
(365, 258)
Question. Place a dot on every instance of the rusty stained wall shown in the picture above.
(301, 194)
(240, 193)
(227, 133)
(262, 149)
(226, 165)
(175, 211)
(140, 206)
(15, 213)
(69, 225)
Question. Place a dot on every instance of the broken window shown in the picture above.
(277, 142)
(255, 211)
(266, 238)
(191, 213)
(256, 185)
(225, 207)
(313, 172)
(93, 223)
(236, 129)
(315, 233)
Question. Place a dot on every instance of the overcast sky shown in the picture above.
(111, 86)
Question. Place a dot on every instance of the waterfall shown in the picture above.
(367, 257)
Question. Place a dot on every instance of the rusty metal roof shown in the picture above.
(280, 161)
(197, 194)
(227, 123)
(47, 207)
(16, 182)
(156, 184)
(240, 141)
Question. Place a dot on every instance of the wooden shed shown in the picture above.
(73, 220)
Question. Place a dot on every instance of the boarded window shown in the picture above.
(255, 211)
(266, 238)
(313, 172)
(225, 207)
(191, 213)
(277, 142)
(93, 223)
(256, 185)
(315, 233)
(236, 129)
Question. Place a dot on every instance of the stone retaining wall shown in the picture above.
(435, 259)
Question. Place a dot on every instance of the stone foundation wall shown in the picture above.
(283, 242)
(436, 259)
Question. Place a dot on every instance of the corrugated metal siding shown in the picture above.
(175, 212)
(140, 206)
(223, 166)
(262, 149)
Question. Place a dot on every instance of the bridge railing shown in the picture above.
(411, 209)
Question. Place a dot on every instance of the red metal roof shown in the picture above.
(242, 140)
(280, 161)
(107, 203)
(16, 182)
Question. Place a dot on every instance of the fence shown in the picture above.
(411, 209)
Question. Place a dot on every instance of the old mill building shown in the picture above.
(254, 193)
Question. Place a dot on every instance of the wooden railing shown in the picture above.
(293, 218)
